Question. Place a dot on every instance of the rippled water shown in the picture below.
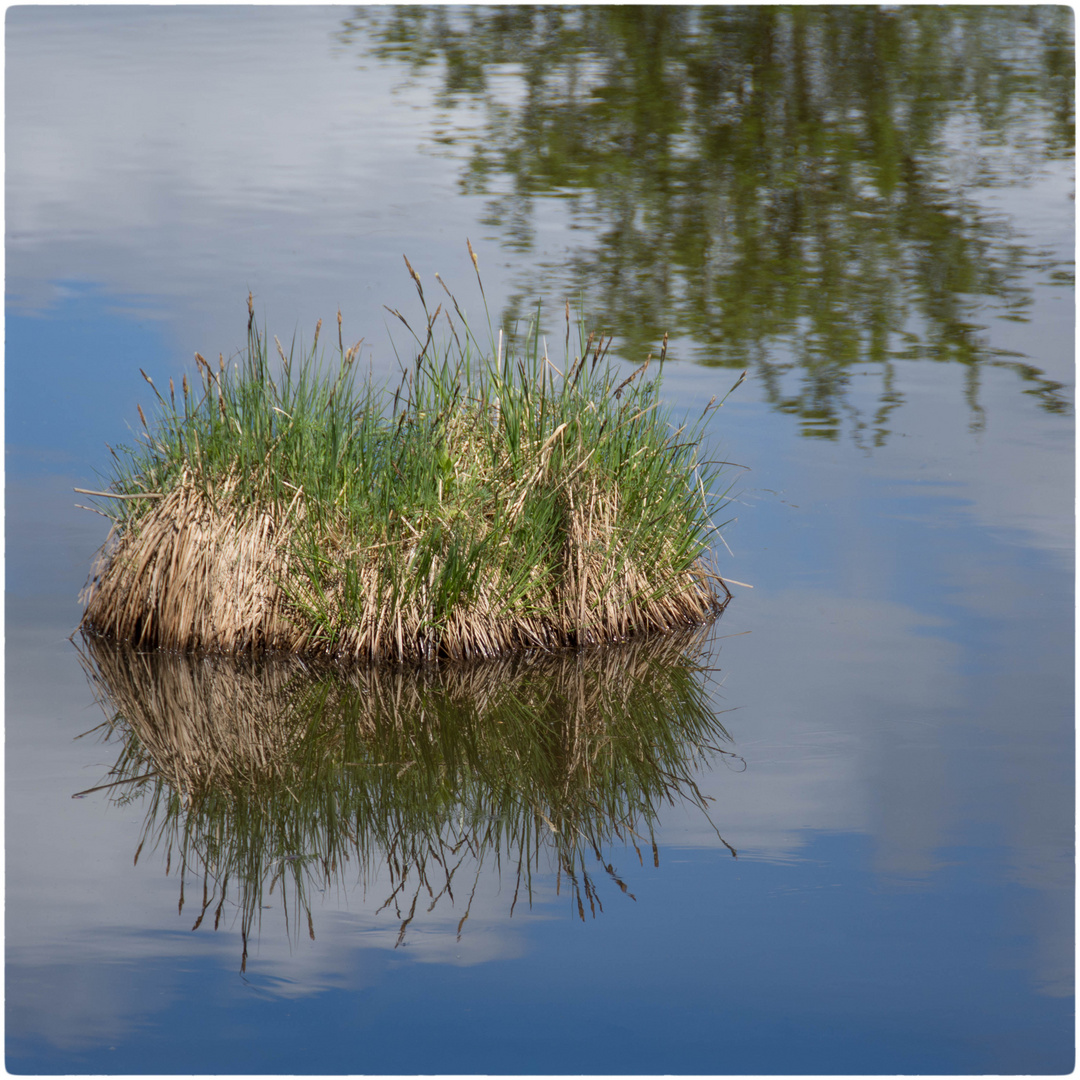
(869, 211)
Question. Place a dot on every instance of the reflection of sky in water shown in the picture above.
(904, 698)
(224, 172)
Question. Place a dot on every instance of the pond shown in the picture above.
(831, 833)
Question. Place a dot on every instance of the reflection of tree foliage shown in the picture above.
(264, 775)
(762, 180)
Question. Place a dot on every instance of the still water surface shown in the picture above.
(869, 211)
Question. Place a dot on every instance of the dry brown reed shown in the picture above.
(204, 574)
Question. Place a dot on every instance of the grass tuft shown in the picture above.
(484, 504)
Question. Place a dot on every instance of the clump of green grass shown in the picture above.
(485, 504)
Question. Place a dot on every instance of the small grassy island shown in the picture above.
(488, 504)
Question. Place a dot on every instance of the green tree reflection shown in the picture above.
(781, 188)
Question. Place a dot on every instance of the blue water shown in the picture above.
(899, 680)
(721, 967)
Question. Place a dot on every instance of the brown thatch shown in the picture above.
(192, 574)
(206, 575)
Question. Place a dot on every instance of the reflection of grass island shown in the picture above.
(489, 504)
(258, 773)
